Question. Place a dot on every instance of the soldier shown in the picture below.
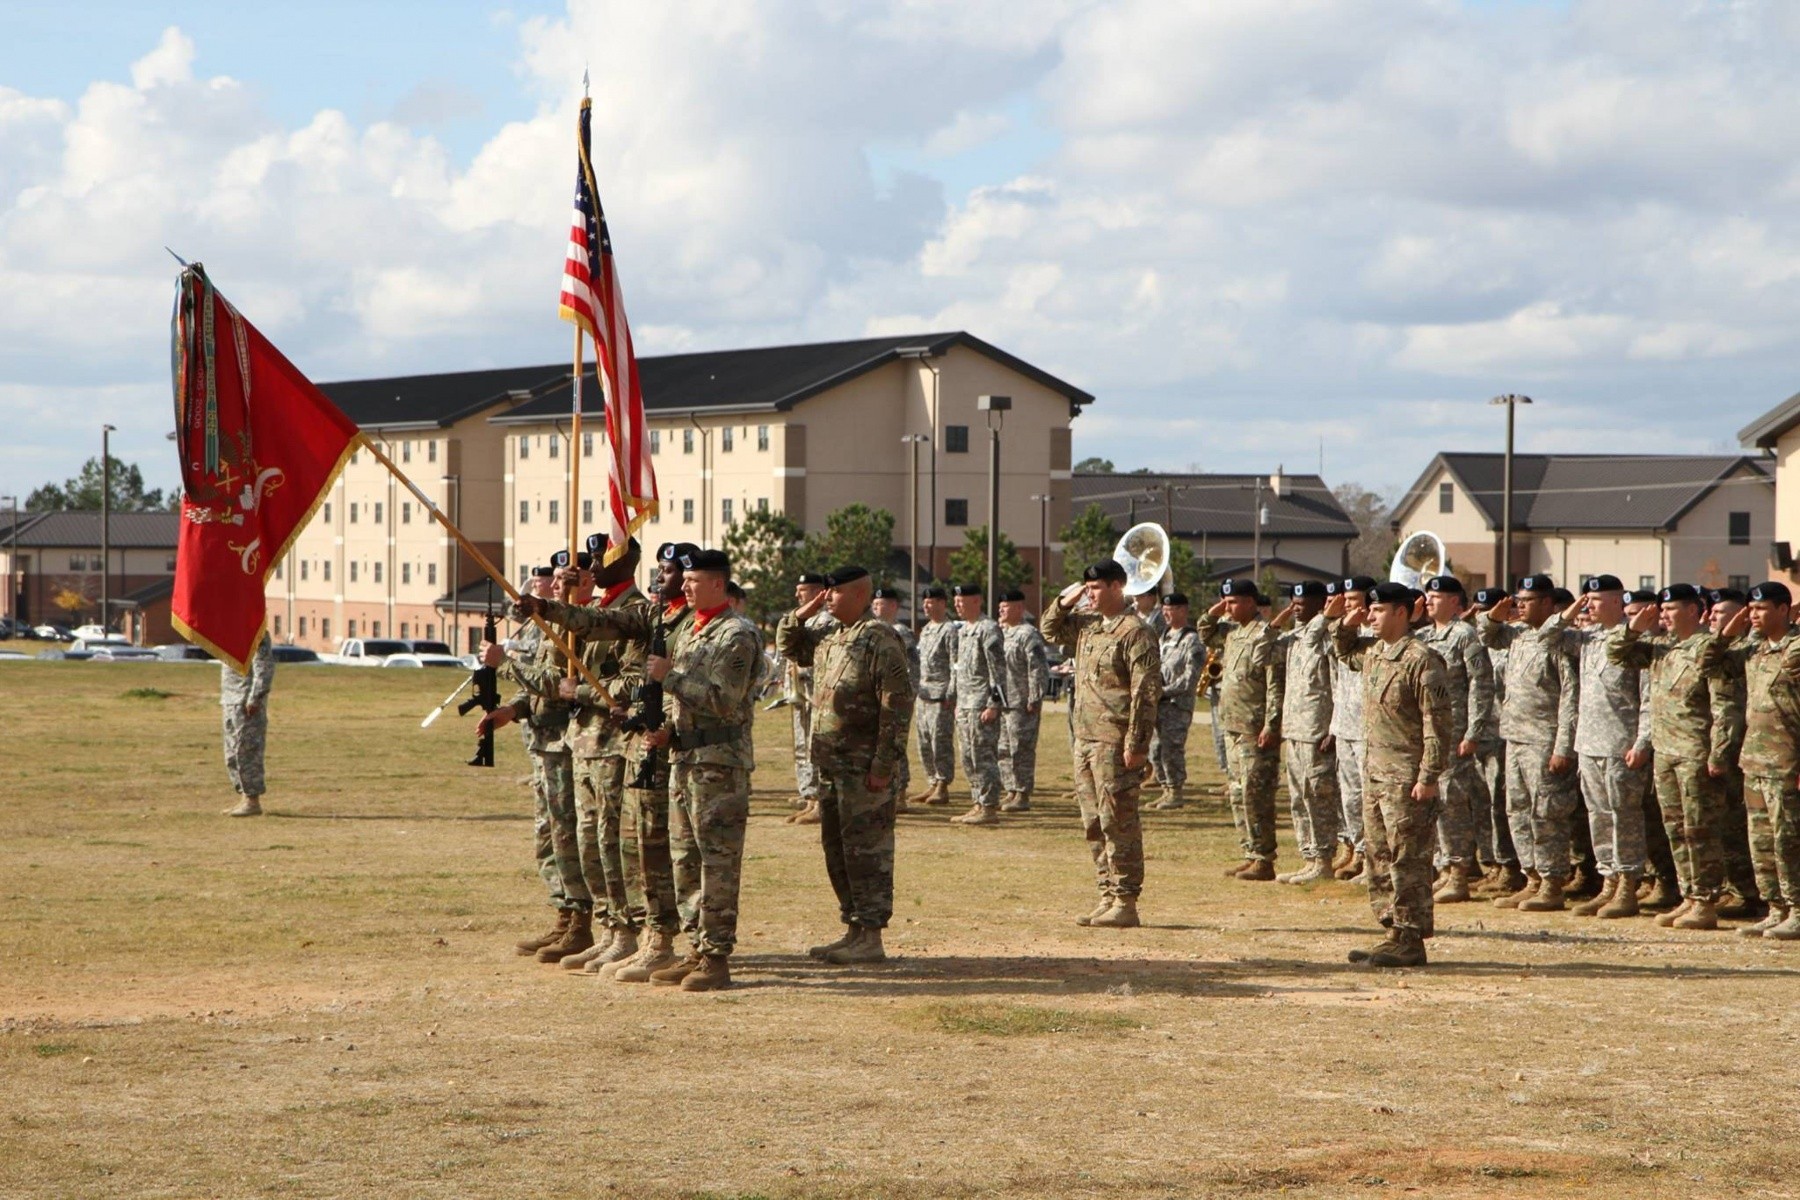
(1027, 682)
(799, 692)
(1771, 753)
(886, 607)
(1406, 708)
(1612, 738)
(1347, 733)
(244, 705)
(980, 686)
(539, 705)
(523, 645)
(1149, 611)
(1665, 889)
(1537, 719)
(1305, 650)
(1183, 658)
(1117, 681)
(1494, 850)
(936, 705)
(1470, 676)
(1695, 730)
(862, 701)
(1250, 705)
(1742, 898)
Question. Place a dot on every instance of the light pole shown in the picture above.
(922, 355)
(912, 528)
(1043, 571)
(455, 481)
(106, 432)
(1258, 516)
(12, 559)
(995, 407)
(1503, 556)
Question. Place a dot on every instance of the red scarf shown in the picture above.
(701, 618)
(613, 593)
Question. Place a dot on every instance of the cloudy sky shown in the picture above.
(1251, 229)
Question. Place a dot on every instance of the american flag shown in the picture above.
(591, 297)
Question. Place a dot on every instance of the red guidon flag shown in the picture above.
(259, 446)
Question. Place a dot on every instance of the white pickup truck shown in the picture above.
(377, 652)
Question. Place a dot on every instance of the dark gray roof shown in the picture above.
(1217, 505)
(1588, 491)
(129, 531)
(1286, 570)
(150, 593)
(1763, 432)
(438, 401)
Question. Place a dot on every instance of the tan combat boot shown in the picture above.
(674, 973)
(1665, 894)
(939, 793)
(1315, 870)
(713, 974)
(1016, 802)
(1340, 858)
(806, 816)
(1777, 914)
(576, 938)
(866, 948)
(978, 816)
(820, 952)
(1490, 882)
(924, 797)
(1789, 929)
(1353, 867)
(1260, 870)
(658, 952)
(1512, 900)
(576, 962)
(552, 935)
(1675, 914)
(1624, 902)
(621, 950)
(1590, 908)
(1549, 897)
(249, 806)
(1402, 949)
(1701, 914)
(1100, 910)
(1170, 800)
(1122, 915)
(1232, 872)
(1455, 888)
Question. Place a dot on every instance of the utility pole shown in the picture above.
(1043, 571)
(455, 639)
(1503, 558)
(912, 529)
(12, 560)
(106, 432)
(995, 407)
(1256, 524)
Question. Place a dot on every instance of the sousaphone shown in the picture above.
(1144, 553)
(1421, 556)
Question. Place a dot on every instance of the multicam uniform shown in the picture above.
(601, 749)
(246, 733)
(980, 675)
(862, 700)
(799, 694)
(545, 716)
(936, 710)
(909, 641)
(1027, 681)
(1306, 712)
(1469, 674)
(1182, 658)
(1118, 679)
(1250, 705)
(1543, 693)
(1614, 717)
(1771, 762)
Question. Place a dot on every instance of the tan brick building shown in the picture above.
(56, 555)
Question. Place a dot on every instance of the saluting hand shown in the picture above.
(1334, 607)
(1218, 608)
(812, 606)
(1576, 609)
(1734, 628)
(1502, 610)
(1646, 620)
(1286, 616)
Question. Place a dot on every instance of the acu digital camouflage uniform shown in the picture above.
(1694, 724)
(1733, 830)
(862, 700)
(537, 673)
(1493, 833)
(1469, 674)
(1182, 658)
(936, 710)
(799, 694)
(1313, 800)
(1614, 717)
(1407, 719)
(909, 641)
(601, 749)
(1347, 743)
(1537, 719)
(1027, 681)
(1249, 704)
(980, 675)
(247, 733)
(525, 646)
(1117, 683)
(1771, 761)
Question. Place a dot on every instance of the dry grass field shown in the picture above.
(325, 1002)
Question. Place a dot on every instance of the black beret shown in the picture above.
(1488, 597)
(598, 544)
(1308, 589)
(1642, 596)
(543, 572)
(1562, 596)
(844, 575)
(583, 560)
(1012, 596)
(1358, 583)
(1105, 571)
(966, 589)
(1602, 583)
(1239, 587)
(1537, 585)
(1772, 592)
(1333, 587)
(1680, 592)
(734, 591)
(1734, 595)
(1175, 600)
(707, 560)
(934, 592)
(814, 579)
(1445, 583)
(675, 551)
(885, 593)
(1389, 592)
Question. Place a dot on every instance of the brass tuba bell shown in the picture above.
(1144, 553)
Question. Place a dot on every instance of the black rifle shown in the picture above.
(486, 695)
(647, 715)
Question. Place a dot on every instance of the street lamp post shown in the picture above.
(1043, 571)
(1503, 557)
(1258, 515)
(923, 355)
(106, 432)
(995, 407)
(455, 481)
(912, 528)
(12, 559)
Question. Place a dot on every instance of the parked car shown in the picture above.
(183, 652)
(367, 652)
(92, 633)
(295, 654)
(13, 654)
(126, 652)
(102, 642)
(425, 660)
(56, 633)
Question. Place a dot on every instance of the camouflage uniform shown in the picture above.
(1733, 830)
(1250, 704)
(1470, 676)
(862, 701)
(1493, 835)
(1771, 761)
(546, 719)
(608, 864)
(1182, 656)
(1027, 679)
(1614, 718)
(1694, 724)
(1408, 720)
(1313, 800)
(909, 641)
(524, 646)
(980, 674)
(1347, 743)
(1537, 719)
(1118, 679)
(799, 694)
(937, 700)
(245, 733)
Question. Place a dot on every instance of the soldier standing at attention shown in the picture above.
(523, 645)
(980, 674)
(1182, 658)
(1665, 892)
(1743, 897)
(1406, 704)
(1771, 753)
(936, 706)
(1493, 835)
(1537, 719)
(244, 701)
(1470, 676)
(1149, 611)
(886, 607)
(1250, 703)
(862, 701)
(1347, 730)
(799, 689)
(1118, 679)
(1695, 727)
(1305, 650)
(1027, 680)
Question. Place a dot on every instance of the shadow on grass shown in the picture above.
(340, 816)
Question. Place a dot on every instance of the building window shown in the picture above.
(406, 512)
(431, 450)
(353, 512)
(1739, 529)
(325, 629)
(431, 574)
(374, 628)
(725, 438)
(278, 625)
(354, 455)
(77, 562)
(725, 509)
(303, 570)
(956, 512)
(1646, 583)
(762, 437)
(328, 512)
(325, 568)
(555, 440)
(1446, 497)
(587, 512)
(656, 441)
(687, 441)
(169, 565)
(405, 572)
(405, 451)
(378, 512)
(524, 512)
(353, 568)
(956, 439)
(350, 628)
(524, 574)
(405, 629)
(302, 626)
(762, 504)
(1740, 582)
(377, 574)
(687, 512)
(587, 444)
(430, 630)
(278, 567)
(524, 448)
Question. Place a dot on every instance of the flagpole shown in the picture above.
(481, 560)
(575, 467)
